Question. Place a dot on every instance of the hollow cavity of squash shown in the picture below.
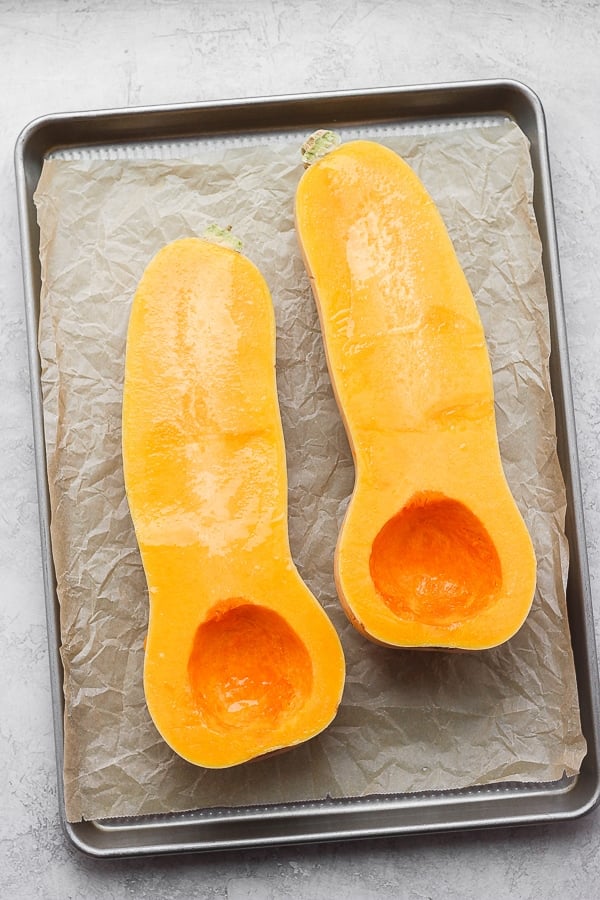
(434, 562)
(241, 660)
(247, 668)
(433, 551)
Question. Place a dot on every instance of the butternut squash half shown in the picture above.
(433, 551)
(241, 660)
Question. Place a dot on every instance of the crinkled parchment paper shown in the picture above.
(409, 721)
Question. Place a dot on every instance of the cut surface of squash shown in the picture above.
(241, 660)
(433, 551)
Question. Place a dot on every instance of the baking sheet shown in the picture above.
(444, 784)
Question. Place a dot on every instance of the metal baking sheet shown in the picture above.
(433, 106)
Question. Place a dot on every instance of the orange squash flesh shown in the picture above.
(433, 551)
(241, 660)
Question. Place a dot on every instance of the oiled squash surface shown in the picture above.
(241, 659)
(433, 551)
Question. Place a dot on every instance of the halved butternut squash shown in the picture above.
(433, 551)
(241, 660)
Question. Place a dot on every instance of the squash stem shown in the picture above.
(318, 145)
(216, 234)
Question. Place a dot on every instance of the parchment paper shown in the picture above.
(409, 721)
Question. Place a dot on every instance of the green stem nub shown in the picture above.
(223, 236)
(318, 145)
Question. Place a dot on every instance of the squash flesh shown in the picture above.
(410, 369)
(240, 660)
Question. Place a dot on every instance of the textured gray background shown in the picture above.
(64, 55)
